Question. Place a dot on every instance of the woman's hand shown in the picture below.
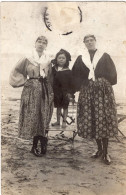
(70, 97)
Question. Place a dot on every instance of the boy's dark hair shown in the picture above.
(68, 58)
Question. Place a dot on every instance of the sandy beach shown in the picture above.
(67, 168)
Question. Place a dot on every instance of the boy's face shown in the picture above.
(61, 60)
(40, 45)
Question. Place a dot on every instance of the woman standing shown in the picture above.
(94, 73)
(36, 100)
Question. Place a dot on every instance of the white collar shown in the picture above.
(36, 60)
(61, 69)
(91, 65)
(43, 61)
(87, 61)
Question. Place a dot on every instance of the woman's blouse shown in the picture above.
(23, 70)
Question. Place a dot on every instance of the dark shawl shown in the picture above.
(105, 68)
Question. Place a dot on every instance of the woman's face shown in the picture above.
(61, 60)
(90, 43)
(40, 45)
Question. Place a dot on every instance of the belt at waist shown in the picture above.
(35, 78)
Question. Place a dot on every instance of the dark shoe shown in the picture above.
(56, 124)
(107, 159)
(44, 145)
(97, 154)
(32, 150)
(36, 152)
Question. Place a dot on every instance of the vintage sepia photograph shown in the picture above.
(63, 98)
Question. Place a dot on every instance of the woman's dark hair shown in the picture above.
(68, 58)
(87, 36)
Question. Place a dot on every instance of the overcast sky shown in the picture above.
(22, 22)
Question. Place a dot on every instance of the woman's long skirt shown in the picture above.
(96, 111)
(35, 111)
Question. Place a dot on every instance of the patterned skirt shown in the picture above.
(35, 111)
(96, 111)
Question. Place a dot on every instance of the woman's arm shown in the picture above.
(50, 74)
(18, 75)
(111, 70)
(79, 73)
(71, 85)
